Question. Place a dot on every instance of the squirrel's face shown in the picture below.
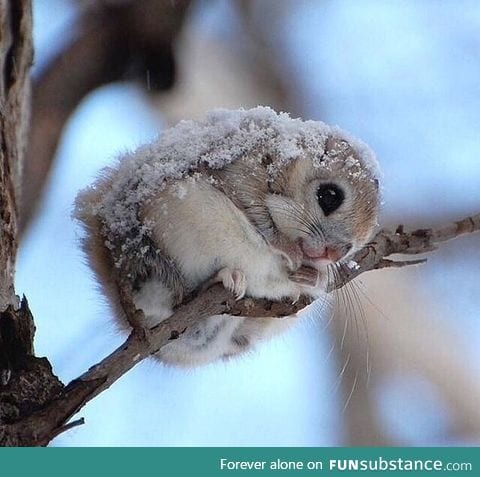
(328, 206)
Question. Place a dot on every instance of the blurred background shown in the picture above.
(402, 367)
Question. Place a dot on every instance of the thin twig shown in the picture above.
(419, 241)
(68, 426)
(387, 263)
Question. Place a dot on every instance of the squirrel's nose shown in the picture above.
(331, 253)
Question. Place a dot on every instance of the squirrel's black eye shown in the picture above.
(330, 198)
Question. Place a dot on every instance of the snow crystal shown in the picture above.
(190, 146)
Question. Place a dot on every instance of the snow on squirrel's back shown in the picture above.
(219, 139)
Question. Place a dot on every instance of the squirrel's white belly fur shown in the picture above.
(211, 234)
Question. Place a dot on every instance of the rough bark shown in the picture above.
(26, 383)
(15, 59)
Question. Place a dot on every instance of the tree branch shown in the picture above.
(51, 420)
(386, 243)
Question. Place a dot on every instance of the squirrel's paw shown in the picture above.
(234, 281)
(289, 250)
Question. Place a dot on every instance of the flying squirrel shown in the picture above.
(257, 200)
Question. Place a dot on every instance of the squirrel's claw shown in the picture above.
(234, 281)
(289, 250)
(306, 276)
